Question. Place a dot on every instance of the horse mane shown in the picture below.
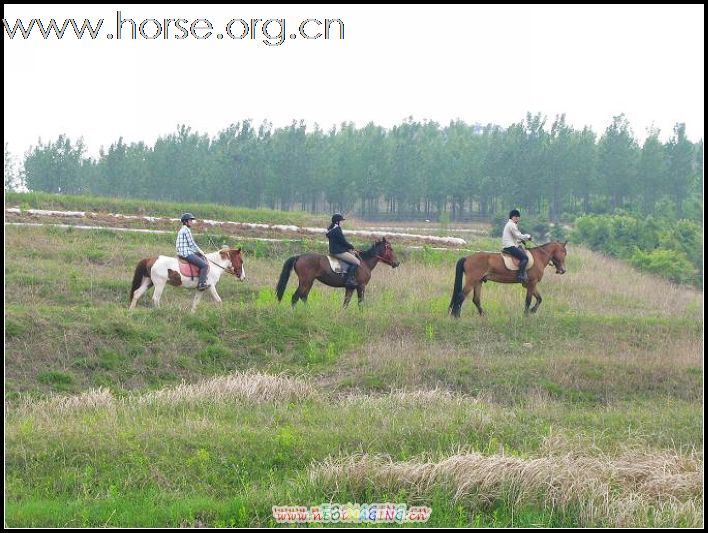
(541, 247)
(371, 252)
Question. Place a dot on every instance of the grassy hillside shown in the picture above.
(586, 414)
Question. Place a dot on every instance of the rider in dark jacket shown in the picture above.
(341, 248)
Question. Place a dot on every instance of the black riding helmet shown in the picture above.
(187, 216)
(337, 217)
(514, 213)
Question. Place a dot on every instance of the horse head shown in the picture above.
(384, 252)
(558, 253)
(236, 260)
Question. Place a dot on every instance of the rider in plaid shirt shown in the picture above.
(188, 249)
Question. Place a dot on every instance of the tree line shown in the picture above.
(415, 169)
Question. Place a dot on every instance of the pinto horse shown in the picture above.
(486, 266)
(310, 267)
(159, 271)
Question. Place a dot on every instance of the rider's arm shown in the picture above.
(194, 244)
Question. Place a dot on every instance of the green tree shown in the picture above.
(617, 156)
(10, 175)
(585, 175)
(652, 171)
(560, 166)
(55, 167)
(680, 166)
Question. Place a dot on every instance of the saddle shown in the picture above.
(187, 268)
(337, 265)
(512, 263)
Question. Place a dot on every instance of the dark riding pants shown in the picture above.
(199, 261)
(520, 255)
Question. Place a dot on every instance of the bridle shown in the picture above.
(551, 256)
(229, 269)
(383, 259)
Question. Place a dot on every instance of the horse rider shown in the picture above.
(188, 249)
(341, 248)
(511, 239)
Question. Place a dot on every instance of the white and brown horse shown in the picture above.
(163, 270)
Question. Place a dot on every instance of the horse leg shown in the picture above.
(529, 295)
(537, 295)
(159, 287)
(197, 299)
(214, 294)
(360, 294)
(461, 298)
(476, 298)
(347, 297)
(144, 286)
(303, 289)
(305, 292)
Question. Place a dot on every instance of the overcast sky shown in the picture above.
(477, 64)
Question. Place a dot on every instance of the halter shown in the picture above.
(552, 259)
(229, 268)
(383, 260)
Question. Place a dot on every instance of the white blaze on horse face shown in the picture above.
(242, 277)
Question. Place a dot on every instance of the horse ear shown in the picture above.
(566, 242)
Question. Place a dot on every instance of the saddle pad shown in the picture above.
(512, 263)
(338, 265)
(188, 269)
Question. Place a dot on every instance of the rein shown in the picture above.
(371, 253)
(540, 247)
(383, 260)
(550, 256)
(225, 269)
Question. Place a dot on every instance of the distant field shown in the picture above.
(586, 414)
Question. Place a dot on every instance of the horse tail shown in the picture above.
(285, 276)
(456, 302)
(141, 271)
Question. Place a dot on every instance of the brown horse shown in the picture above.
(485, 266)
(310, 267)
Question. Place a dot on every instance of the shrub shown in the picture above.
(670, 264)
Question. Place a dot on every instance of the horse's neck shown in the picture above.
(544, 257)
(215, 257)
(372, 261)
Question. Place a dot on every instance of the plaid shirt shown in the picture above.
(185, 243)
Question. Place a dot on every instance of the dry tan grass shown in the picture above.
(617, 492)
(606, 285)
(246, 387)
(605, 367)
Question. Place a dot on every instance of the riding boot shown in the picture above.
(521, 277)
(350, 282)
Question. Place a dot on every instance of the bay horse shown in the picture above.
(163, 270)
(310, 267)
(489, 266)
